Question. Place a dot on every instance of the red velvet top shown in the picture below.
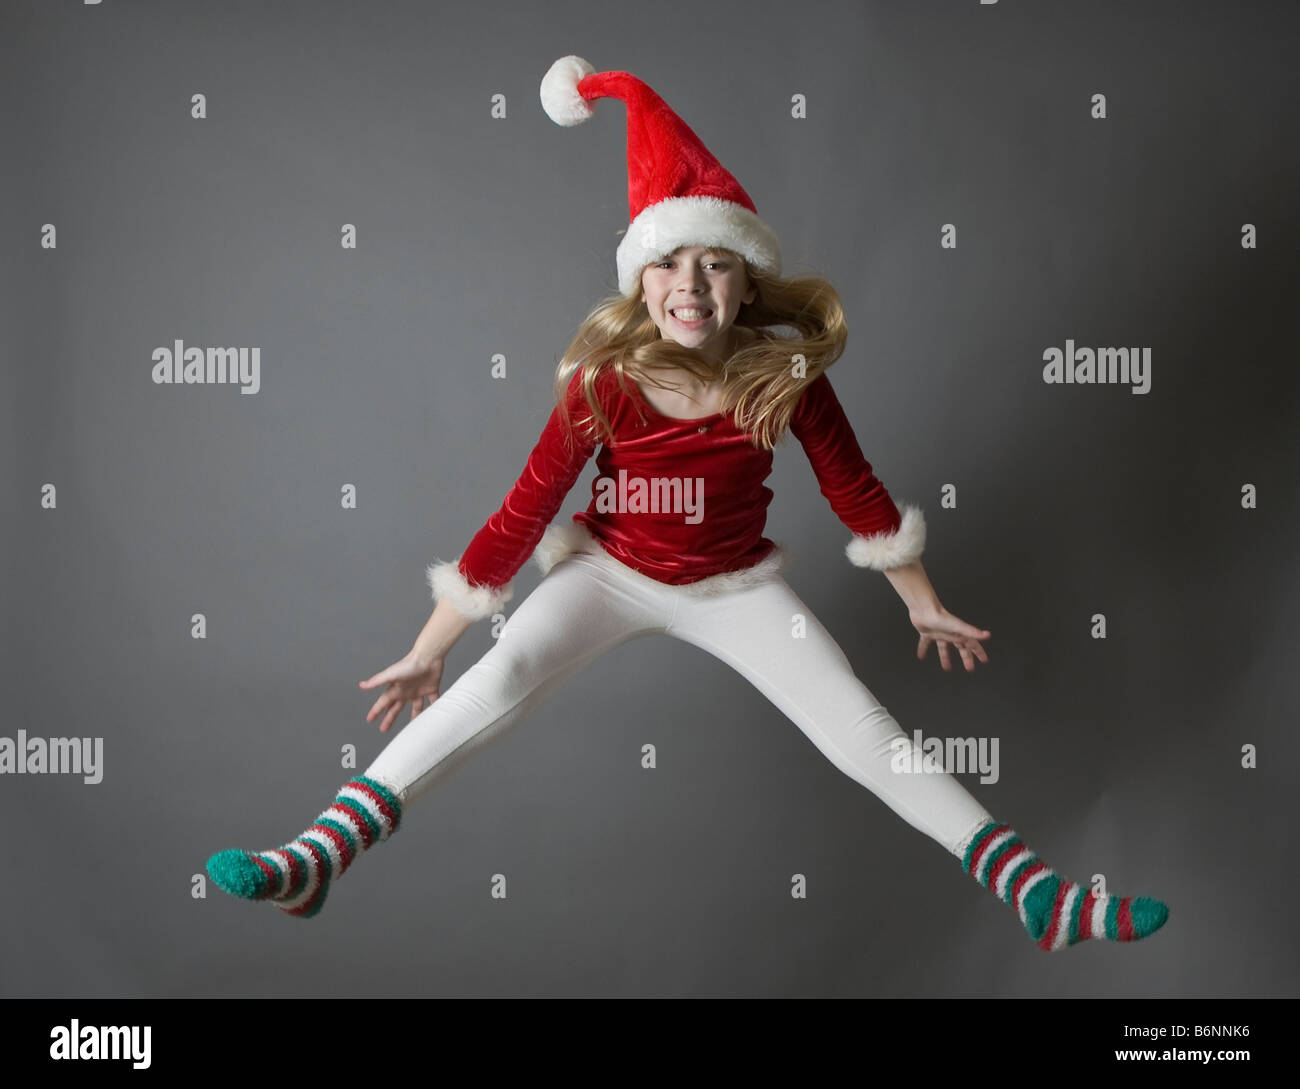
(713, 523)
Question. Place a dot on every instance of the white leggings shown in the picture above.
(590, 602)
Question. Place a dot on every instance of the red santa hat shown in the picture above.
(678, 194)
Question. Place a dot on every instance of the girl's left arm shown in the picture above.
(935, 623)
(912, 584)
(884, 539)
(883, 536)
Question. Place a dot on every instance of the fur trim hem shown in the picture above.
(882, 551)
(473, 602)
(560, 541)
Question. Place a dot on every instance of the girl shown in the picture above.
(685, 384)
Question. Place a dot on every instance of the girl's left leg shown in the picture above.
(771, 638)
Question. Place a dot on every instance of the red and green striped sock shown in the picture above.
(296, 877)
(1056, 913)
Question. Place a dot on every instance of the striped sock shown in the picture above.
(297, 876)
(1056, 913)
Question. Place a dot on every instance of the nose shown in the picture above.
(690, 278)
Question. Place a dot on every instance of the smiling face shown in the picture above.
(694, 295)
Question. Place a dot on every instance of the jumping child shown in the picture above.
(681, 384)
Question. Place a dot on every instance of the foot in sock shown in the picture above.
(1056, 913)
(296, 877)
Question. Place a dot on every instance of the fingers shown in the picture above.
(970, 650)
(951, 631)
(394, 701)
(959, 631)
(378, 678)
(969, 630)
(389, 694)
(943, 657)
(395, 672)
(391, 700)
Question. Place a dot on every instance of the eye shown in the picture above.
(721, 266)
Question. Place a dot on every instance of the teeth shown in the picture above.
(690, 314)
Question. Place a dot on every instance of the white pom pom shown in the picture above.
(560, 98)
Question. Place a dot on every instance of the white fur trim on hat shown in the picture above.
(560, 541)
(881, 551)
(560, 98)
(695, 221)
(472, 602)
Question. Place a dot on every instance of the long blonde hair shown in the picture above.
(762, 381)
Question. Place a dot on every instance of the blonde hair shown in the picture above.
(761, 381)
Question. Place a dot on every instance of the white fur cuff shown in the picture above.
(882, 551)
(472, 602)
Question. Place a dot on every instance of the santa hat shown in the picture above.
(678, 194)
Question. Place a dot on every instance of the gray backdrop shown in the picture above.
(479, 235)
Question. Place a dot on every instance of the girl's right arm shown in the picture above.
(477, 584)
(418, 675)
(446, 625)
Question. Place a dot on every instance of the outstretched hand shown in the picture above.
(412, 678)
(937, 625)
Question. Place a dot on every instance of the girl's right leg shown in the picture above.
(581, 609)
(578, 612)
